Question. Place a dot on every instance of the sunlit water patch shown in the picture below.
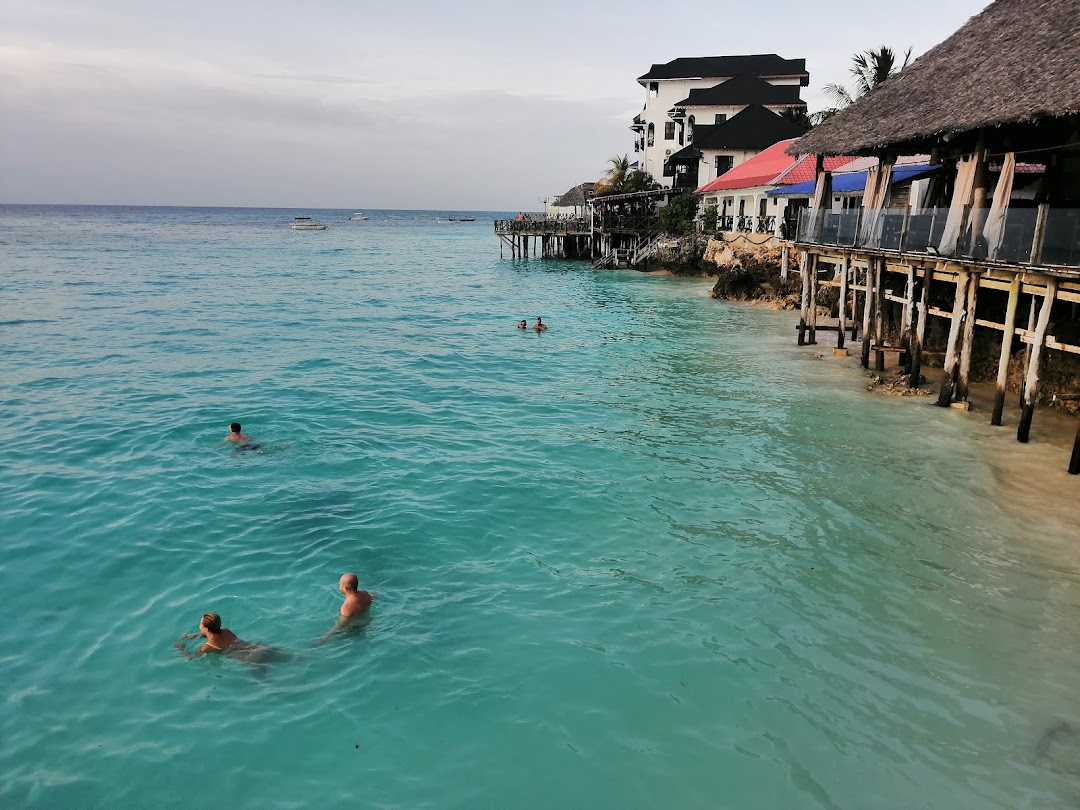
(654, 556)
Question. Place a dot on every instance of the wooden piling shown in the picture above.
(813, 268)
(783, 261)
(1074, 459)
(967, 342)
(916, 348)
(804, 314)
(1027, 348)
(1006, 351)
(1031, 384)
(868, 304)
(842, 325)
(948, 380)
(879, 319)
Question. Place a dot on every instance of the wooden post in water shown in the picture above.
(854, 301)
(967, 341)
(1006, 351)
(845, 268)
(1031, 384)
(879, 320)
(905, 318)
(868, 304)
(1074, 459)
(916, 348)
(948, 380)
(783, 262)
(804, 314)
(1027, 348)
(812, 267)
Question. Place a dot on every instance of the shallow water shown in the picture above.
(655, 556)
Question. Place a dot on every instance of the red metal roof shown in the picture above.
(803, 169)
(757, 171)
(770, 168)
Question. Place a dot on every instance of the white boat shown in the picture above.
(357, 217)
(446, 220)
(307, 224)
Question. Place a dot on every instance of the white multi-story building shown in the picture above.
(712, 113)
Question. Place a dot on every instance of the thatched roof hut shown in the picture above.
(1017, 61)
(575, 197)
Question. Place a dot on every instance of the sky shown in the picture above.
(468, 105)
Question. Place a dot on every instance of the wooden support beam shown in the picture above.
(804, 315)
(879, 319)
(844, 270)
(1074, 459)
(967, 339)
(868, 307)
(920, 330)
(1006, 352)
(1031, 383)
(1027, 349)
(948, 380)
(783, 262)
(813, 268)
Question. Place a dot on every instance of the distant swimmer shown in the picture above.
(523, 324)
(240, 439)
(224, 641)
(354, 609)
(539, 326)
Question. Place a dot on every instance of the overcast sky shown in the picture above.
(397, 104)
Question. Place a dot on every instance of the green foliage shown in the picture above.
(708, 218)
(638, 180)
(677, 217)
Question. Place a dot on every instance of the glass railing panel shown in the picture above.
(1061, 237)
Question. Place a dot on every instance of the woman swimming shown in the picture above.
(224, 641)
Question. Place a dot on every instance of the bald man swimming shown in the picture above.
(354, 609)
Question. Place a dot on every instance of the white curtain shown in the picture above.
(961, 199)
(994, 231)
(877, 189)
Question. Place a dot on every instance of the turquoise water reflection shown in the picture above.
(653, 556)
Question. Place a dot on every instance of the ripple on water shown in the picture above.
(603, 553)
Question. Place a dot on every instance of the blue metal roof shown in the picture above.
(849, 183)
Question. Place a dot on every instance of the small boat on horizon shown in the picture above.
(444, 220)
(307, 224)
(357, 217)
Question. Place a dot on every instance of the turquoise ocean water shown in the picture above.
(653, 557)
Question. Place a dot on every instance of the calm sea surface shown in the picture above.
(653, 557)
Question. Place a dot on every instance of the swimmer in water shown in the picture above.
(354, 609)
(224, 641)
(523, 324)
(240, 439)
(539, 326)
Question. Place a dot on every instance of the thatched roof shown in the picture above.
(1016, 61)
(575, 196)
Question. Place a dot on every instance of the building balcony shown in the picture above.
(1043, 236)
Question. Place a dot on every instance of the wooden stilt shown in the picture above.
(1006, 351)
(916, 348)
(804, 315)
(854, 304)
(905, 318)
(1074, 459)
(868, 308)
(879, 318)
(1027, 349)
(967, 340)
(1031, 384)
(948, 380)
(812, 266)
(844, 270)
(783, 261)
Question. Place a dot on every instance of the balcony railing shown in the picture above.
(746, 224)
(1043, 235)
(535, 224)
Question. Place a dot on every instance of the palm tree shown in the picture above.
(615, 177)
(870, 69)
